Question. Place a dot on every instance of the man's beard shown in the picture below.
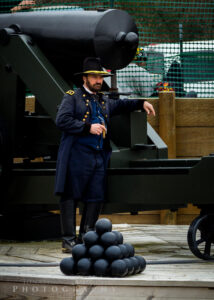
(95, 87)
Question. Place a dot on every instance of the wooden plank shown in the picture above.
(167, 124)
(188, 214)
(186, 219)
(14, 259)
(194, 112)
(184, 216)
(144, 217)
(28, 253)
(33, 291)
(190, 209)
(167, 131)
(168, 217)
(194, 141)
(133, 219)
(154, 121)
(153, 217)
(4, 249)
(142, 293)
(151, 212)
(189, 112)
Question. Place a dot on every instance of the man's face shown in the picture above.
(93, 82)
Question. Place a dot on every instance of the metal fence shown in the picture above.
(176, 37)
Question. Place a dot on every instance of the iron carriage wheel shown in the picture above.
(200, 236)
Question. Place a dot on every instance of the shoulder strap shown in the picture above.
(70, 92)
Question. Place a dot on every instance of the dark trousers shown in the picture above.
(86, 174)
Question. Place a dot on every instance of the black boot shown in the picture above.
(90, 215)
(68, 224)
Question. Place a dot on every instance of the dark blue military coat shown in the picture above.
(73, 119)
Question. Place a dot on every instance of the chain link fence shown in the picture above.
(176, 37)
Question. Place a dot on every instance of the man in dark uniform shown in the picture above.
(84, 151)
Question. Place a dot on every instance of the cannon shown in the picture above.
(39, 53)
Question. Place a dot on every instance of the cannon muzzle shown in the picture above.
(67, 37)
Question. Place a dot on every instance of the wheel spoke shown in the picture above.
(201, 237)
(207, 248)
(199, 241)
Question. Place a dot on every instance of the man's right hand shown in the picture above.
(97, 129)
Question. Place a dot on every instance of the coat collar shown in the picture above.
(86, 93)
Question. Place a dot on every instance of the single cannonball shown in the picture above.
(96, 252)
(130, 249)
(108, 239)
(124, 250)
(100, 267)
(103, 225)
(142, 262)
(112, 253)
(84, 266)
(118, 268)
(119, 236)
(79, 251)
(90, 238)
(136, 264)
(67, 266)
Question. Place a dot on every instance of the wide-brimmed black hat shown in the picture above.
(92, 65)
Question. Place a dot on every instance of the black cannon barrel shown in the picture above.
(111, 35)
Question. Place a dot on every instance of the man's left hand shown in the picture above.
(24, 4)
(149, 108)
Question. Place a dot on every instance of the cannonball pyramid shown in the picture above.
(103, 254)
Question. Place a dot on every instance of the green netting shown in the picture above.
(177, 37)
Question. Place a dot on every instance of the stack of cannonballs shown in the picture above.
(103, 254)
